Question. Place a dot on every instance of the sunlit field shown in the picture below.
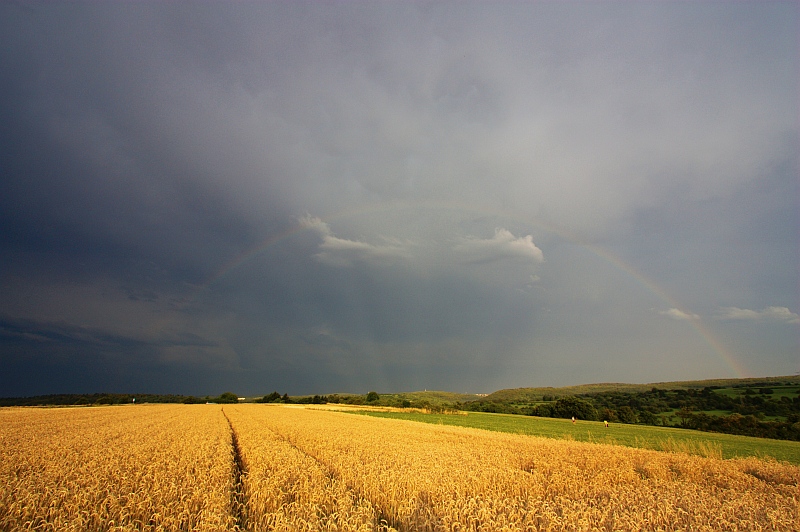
(270, 467)
(641, 436)
(155, 467)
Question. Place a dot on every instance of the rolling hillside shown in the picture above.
(536, 394)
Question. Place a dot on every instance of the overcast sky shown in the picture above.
(326, 197)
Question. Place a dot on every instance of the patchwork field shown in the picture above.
(270, 467)
(641, 436)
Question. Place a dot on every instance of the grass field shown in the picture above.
(433, 397)
(642, 436)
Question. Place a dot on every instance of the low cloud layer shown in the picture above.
(503, 245)
(778, 314)
(343, 252)
(678, 314)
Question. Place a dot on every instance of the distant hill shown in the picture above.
(536, 394)
(432, 397)
(529, 395)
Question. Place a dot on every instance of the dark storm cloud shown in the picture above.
(92, 357)
(320, 197)
(116, 146)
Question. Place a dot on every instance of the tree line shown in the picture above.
(746, 411)
(113, 399)
(685, 408)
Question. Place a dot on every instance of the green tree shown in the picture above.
(626, 414)
(227, 398)
(274, 397)
(648, 418)
(574, 406)
(609, 415)
(685, 414)
(372, 397)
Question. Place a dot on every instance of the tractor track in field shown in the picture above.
(238, 498)
(335, 476)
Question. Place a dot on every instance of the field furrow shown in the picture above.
(268, 467)
(288, 489)
(421, 477)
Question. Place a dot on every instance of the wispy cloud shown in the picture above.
(678, 314)
(503, 245)
(781, 314)
(337, 251)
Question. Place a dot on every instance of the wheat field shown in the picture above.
(156, 467)
(270, 467)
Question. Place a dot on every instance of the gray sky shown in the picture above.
(341, 197)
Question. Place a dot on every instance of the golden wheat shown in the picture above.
(269, 467)
(160, 467)
(425, 477)
(286, 489)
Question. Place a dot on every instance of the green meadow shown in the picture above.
(642, 436)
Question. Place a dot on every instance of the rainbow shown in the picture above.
(696, 323)
(249, 253)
